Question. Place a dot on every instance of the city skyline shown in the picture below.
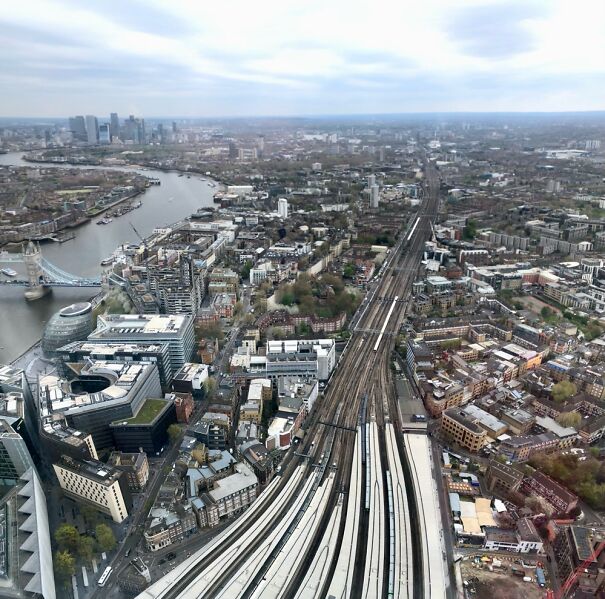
(189, 60)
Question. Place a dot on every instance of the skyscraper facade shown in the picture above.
(92, 129)
(105, 133)
(114, 124)
(15, 459)
(77, 126)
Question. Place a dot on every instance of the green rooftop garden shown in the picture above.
(147, 412)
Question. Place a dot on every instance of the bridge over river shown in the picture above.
(41, 274)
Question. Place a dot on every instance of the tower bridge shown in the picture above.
(41, 274)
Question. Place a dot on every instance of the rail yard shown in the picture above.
(353, 512)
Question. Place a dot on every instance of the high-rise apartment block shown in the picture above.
(282, 208)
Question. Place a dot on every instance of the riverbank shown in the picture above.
(175, 199)
(213, 180)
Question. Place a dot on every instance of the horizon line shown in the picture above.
(342, 115)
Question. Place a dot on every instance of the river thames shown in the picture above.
(22, 322)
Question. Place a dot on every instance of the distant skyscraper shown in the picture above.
(77, 126)
(105, 133)
(282, 208)
(374, 196)
(174, 127)
(261, 145)
(92, 129)
(114, 125)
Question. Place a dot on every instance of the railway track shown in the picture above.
(317, 498)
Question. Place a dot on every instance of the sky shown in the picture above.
(205, 58)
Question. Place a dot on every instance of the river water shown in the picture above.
(21, 322)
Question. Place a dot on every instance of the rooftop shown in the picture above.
(92, 469)
(147, 413)
(109, 326)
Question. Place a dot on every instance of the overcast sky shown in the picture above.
(297, 57)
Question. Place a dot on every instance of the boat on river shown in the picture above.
(9, 272)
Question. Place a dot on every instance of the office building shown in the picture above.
(72, 323)
(176, 330)
(15, 459)
(371, 181)
(60, 439)
(463, 429)
(314, 358)
(96, 484)
(105, 133)
(103, 392)
(212, 430)
(114, 125)
(191, 379)
(73, 354)
(282, 208)
(134, 465)
(147, 430)
(92, 129)
(26, 564)
(13, 384)
(77, 126)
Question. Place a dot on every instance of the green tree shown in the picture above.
(562, 391)
(211, 330)
(174, 432)
(245, 272)
(348, 272)
(86, 549)
(65, 566)
(546, 312)
(573, 419)
(210, 386)
(106, 540)
(470, 231)
(90, 515)
(67, 537)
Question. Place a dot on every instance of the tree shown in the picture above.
(86, 549)
(546, 312)
(65, 566)
(174, 432)
(562, 391)
(245, 272)
(67, 537)
(90, 515)
(106, 540)
(573, 419)
(210, 386)
(348, 272)
(538, 505)
(470, 231)
(211, 330)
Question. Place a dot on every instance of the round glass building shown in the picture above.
(72, 323)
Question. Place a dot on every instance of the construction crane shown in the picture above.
(137, 233)
(573, 577)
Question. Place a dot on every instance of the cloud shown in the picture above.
(186, 57)
(498, 30)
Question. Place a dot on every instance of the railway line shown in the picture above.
(335, 522)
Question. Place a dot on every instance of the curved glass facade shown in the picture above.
(72, 323)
